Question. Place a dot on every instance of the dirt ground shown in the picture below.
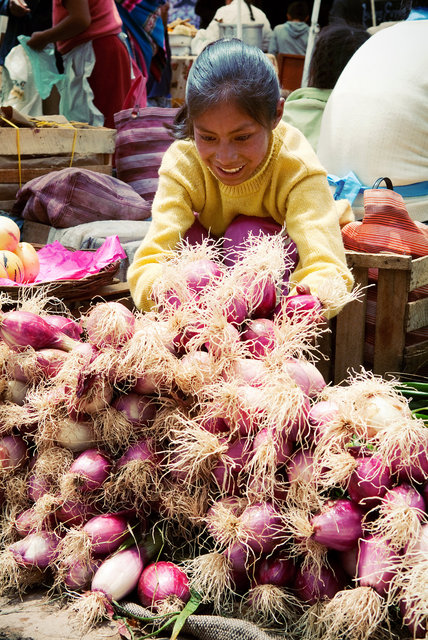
(34, 618)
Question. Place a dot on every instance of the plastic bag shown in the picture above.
(19, 87)
(44, 67)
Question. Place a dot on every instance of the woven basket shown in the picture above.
(67, 290)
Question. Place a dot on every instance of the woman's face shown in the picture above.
(230, 142)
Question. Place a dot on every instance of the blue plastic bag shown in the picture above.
(43, 62)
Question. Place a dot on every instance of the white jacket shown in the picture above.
(229, 15)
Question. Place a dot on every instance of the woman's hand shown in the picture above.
(18, 8)
(39, 40)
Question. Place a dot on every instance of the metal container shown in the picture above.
(252, 33)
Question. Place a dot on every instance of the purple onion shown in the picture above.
(37, 549)
(248, 370)
(425, 495)
(37, 487)
(161, 580)
(311, 587)
(416, 468)
(236, 309)
(261, 296)
(109, 324)
(13, 452)
(422, 542)
(75, 513)
(259, 336)
(50, 361)
(277, 569)
(375, 566)
(118, 575)
(106, 532)
(404, 495)
(238, 557)
(139, 410)
(348, 560)
(300, 467)
(214, 425)
(80, 574)
(201, 273)
(369, 481)
(22, 329)
(67, 325)
(320, 415)
(92, 468)
(338, 526)
(302, 305)
(248, 413)
(283, 446)
(138, 451)
(418, 630)
(262, 526)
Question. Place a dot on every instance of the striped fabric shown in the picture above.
(141, 142)
(387, 226)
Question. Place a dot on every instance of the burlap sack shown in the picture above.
(206, 627)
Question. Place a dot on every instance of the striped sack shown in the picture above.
(141, 141)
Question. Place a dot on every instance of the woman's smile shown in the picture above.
(230, 142)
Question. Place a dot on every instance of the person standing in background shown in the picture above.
(292, 36)
(97, 65)
(334, 46)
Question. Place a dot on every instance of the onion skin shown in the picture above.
(74, 513)
(80, 574)
(68, 326)
(311, 588)
(199, 274)
(375, 564)
(109, 324)
(404, 495)
(369, 481)
(93, 467)
(14, 453)
(259, 336)
(118, 575)
(338, 526)
(20, 329)
(301, 305)
(36, 549)
(160, 580)
(277, 569)
(139, 410)
(262, 526)
(107, 532)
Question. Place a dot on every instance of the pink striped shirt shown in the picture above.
(105, 22)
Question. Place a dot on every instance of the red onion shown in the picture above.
(311, 587)
(283, 446)
(89, 470)
(259, 336)
(74, 513)
(139, 410)
(338, 525)
(238, 557)
(425, 495)
(201, 273)
(316, 379)
(80, 574)
(68, 326)
(106, 532)
(109, 324)
(422, 542)
(404, 495)
(248, 411)
(226, 470)
(50, 361)
(75, 435)
(416, 468)
(20, 329)
(118, 575)
(14, 452)
(300, 467)
(277, 569)
(261, 296)
(348, 560)
(369, 481)
(27, 522)
(236, 309)
(250, 371)
(159, 582)
(137, 451)
(261, 526)
(36, 549)
(320, 415)
(214, 424)
(418, 630)
(375, 566)
(37, 487)
(302, 305)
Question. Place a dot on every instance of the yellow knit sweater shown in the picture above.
(289, 186)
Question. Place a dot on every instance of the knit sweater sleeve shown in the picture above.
(313, 223)
(172, 216)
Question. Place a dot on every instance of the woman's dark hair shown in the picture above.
(248, 3)
(228, 70)
(334, 47)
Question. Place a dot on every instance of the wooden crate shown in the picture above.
(42, 150)
(395, 316)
